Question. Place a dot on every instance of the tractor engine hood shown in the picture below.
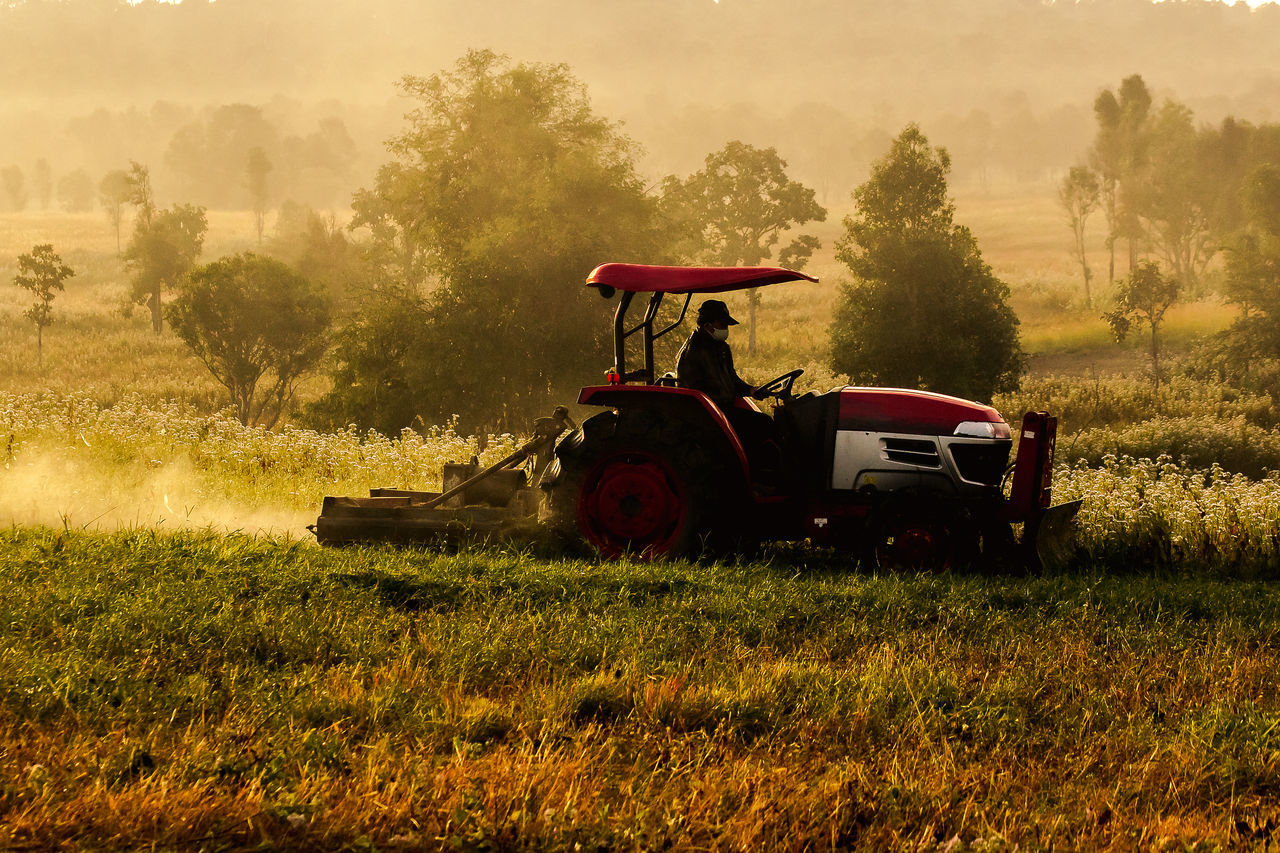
(898, 410)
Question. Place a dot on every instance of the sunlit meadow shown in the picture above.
(182, 667)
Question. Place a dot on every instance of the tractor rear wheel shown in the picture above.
(645, 490)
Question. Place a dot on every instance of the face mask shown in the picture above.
(720, 334)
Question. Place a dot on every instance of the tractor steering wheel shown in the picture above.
(780, 387)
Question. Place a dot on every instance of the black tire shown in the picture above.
(637, 486)
(998, 551)
(920, 533)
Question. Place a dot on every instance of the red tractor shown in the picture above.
(904, 478)
(901, 478)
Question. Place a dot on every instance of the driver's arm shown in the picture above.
(741, 387)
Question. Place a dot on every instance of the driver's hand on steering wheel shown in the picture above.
(760, 393)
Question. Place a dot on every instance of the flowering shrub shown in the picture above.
(1143, 513)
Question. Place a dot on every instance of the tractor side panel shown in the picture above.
(885, 462)
(680, 404)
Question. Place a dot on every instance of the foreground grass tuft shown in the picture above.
(183, 690)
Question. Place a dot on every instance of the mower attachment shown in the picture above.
(476, 505)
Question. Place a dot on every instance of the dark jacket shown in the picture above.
(706, 364)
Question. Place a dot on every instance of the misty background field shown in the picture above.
(181, 667)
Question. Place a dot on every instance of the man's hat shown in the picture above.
(714, 309)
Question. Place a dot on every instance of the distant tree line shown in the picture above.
(232, 157)
(1021, 118)
(457, 287)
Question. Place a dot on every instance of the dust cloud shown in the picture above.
(59, 491)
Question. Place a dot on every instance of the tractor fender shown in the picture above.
(677, 404)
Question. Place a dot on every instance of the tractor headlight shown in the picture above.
(983, 429)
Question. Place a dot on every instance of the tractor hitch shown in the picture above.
(1048, 531)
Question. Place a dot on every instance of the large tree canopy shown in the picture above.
(924, 309)
(507, 189)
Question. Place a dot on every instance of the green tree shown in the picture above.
(113, 194)
(257, 325)
(1119, 155)
(138, 190)
(1175, 193)
(514, 189)
(1252, 278)
(738, 206)
(924, 310)
(42, 272)
(164, 246)
(398, 247)
(1142, 299)
(1079, 194)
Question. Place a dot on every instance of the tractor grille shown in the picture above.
(911, 451)
(981, 463)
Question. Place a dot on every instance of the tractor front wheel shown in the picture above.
(919, 536)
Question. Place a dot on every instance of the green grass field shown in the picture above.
(182, 668)
(188, 690)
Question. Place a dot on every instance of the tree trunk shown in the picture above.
(153, 303)
(1078, 228)
(40, 347)
(1155, 357)
(753, 299)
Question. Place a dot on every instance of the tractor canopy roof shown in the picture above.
(643, 278)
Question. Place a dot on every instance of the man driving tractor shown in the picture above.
(706, 364)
